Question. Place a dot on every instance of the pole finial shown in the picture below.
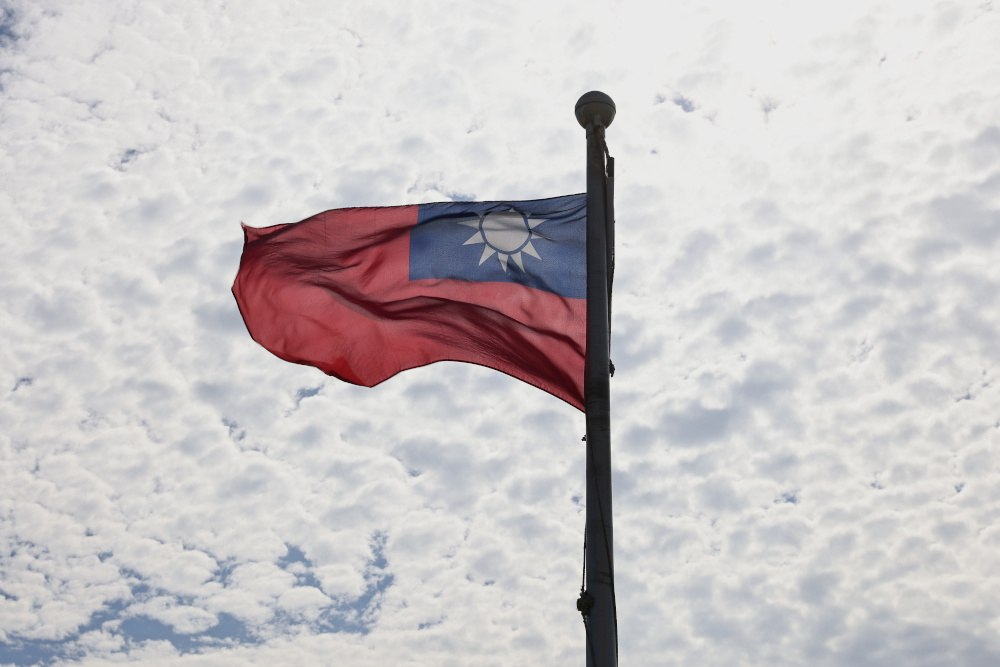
(595, 103)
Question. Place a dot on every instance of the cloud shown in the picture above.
(696, 425)
(805, 406)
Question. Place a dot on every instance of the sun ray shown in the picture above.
(534, 222)
(517, 260)
(503, 260)
(476, 238)
(471, 222)
(530, 249)
(487, 253)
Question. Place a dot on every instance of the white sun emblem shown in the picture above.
(506, 234)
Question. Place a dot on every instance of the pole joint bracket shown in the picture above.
(585, 603)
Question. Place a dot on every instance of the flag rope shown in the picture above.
(607, 548)
(585, 601)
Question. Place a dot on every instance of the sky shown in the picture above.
(806, 408)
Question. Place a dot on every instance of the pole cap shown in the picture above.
(595, 103)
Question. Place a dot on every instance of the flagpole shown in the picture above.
(595, 111)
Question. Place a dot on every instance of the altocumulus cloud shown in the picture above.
(806, 312)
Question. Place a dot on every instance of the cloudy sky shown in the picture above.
(806, 411)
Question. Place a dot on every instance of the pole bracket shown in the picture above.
(585, 603)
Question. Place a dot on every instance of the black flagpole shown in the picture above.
(595, 111)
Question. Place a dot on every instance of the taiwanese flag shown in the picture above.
(364, 293)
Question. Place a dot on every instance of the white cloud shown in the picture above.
(805, 403)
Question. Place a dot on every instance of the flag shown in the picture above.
(364, 293)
